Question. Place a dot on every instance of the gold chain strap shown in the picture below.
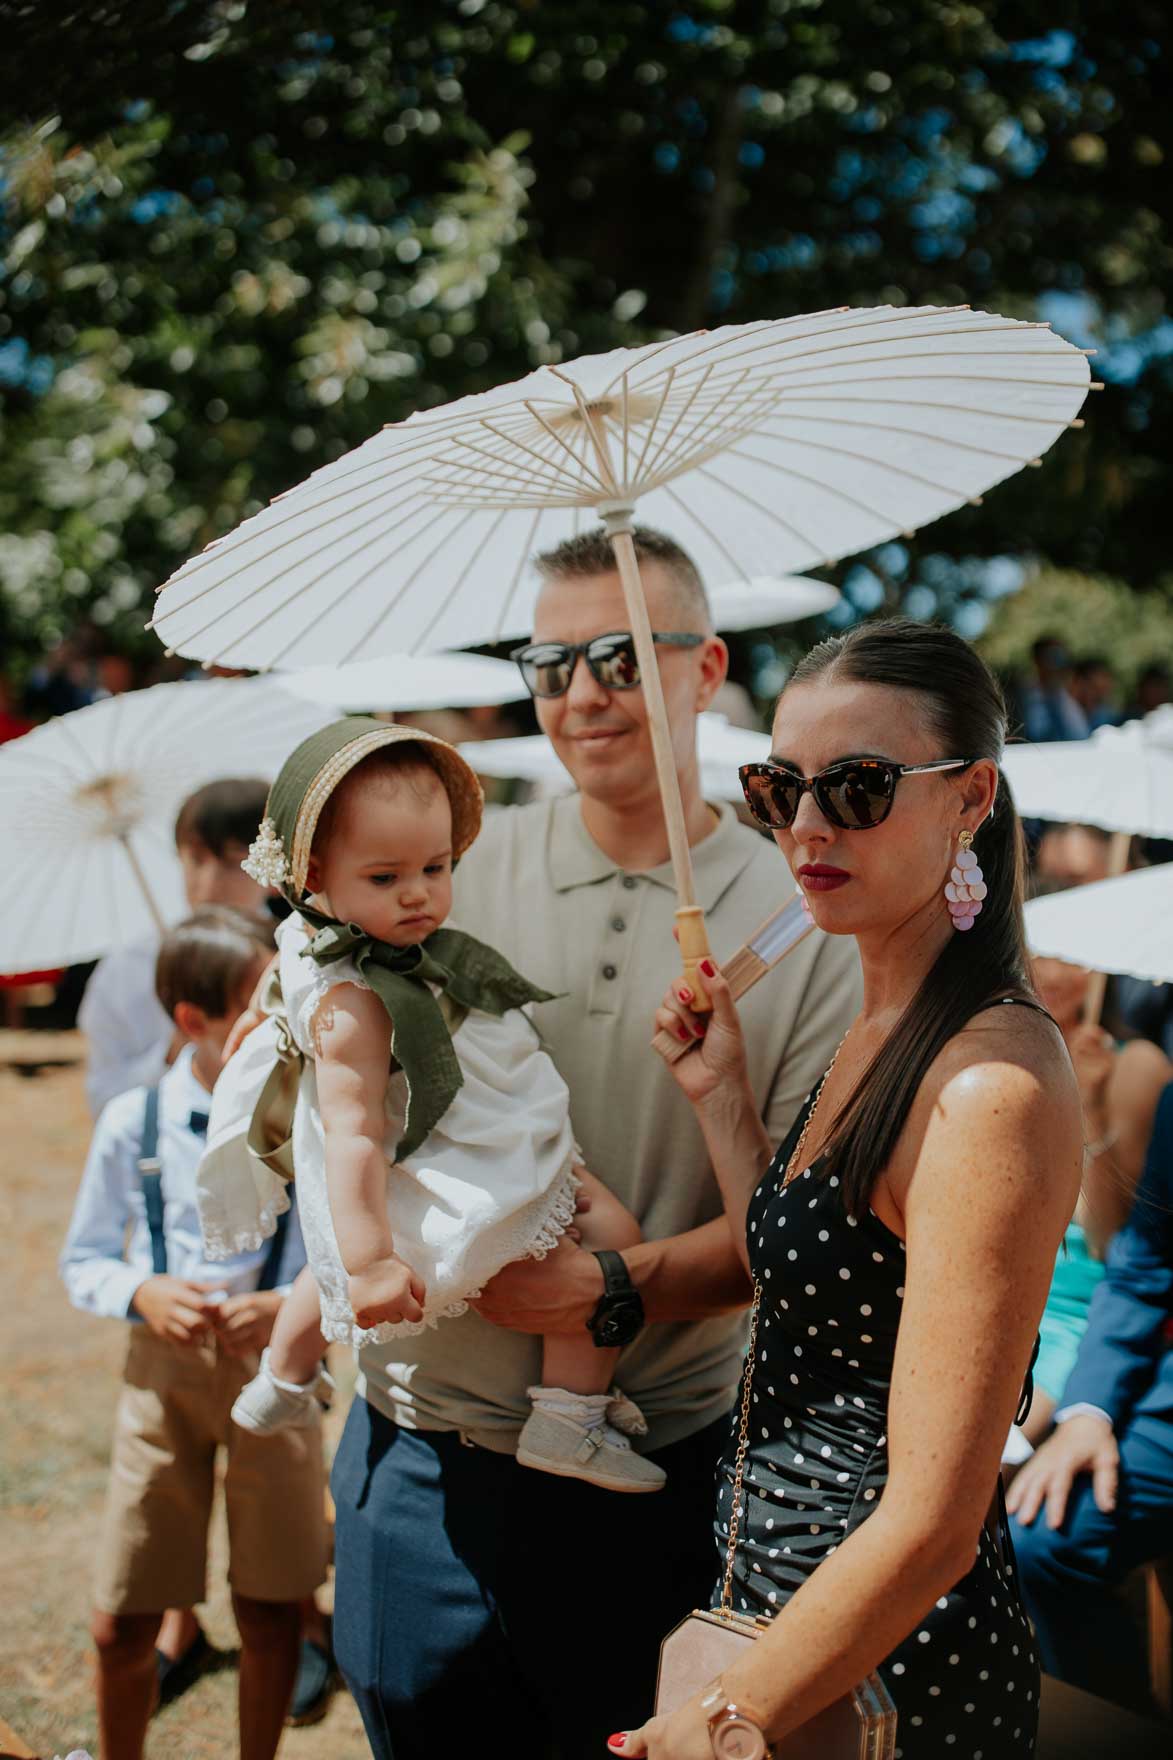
(793, 1166)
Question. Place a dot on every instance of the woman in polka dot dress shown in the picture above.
(901, 1241)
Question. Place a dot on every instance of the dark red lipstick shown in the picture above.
(818, 877)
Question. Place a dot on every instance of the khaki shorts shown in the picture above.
(173, 1413)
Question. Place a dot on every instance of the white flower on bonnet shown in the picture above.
(266, 862)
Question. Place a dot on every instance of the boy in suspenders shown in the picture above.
(134, 1251)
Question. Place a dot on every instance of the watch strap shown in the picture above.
(616, 1277)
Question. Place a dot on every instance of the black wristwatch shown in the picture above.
(620, 1312)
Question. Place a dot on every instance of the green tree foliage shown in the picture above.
(238, 238)
(1096, 617)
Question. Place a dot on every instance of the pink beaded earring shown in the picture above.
(965, 887)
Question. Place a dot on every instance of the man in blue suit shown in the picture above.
(1105, 1476)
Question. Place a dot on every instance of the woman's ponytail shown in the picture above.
(965, 704)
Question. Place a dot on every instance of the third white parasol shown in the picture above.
(761, 603)
(764, 448)
(1122, 925)
(768, 601)
(531, 758)
(407, 682)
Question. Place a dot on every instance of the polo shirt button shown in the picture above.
(630, 881)
(610, 971)
(619, 924)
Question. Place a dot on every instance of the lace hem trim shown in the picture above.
(223, 1243)
(338, 1325)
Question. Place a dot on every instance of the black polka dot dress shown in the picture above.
(966, 1682)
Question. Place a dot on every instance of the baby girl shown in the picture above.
(431, 1135)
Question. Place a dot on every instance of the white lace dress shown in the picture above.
(493, 1182)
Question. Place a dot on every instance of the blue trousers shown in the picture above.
(483, 1607)
(1070, 1575)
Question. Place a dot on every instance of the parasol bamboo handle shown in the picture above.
(1093, 1002)
(690, 921)
(693, 939)
(137, 870)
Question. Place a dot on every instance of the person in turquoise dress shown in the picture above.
(1120, 1084)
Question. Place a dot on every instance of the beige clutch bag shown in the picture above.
(859, 1726)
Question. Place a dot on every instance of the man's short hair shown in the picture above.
(591, 553)
(222, 816)
(207, 958)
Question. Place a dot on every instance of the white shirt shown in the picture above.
(128, 1029)
(100, 1267)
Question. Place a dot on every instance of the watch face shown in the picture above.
(735, 1738)
(618, 1319)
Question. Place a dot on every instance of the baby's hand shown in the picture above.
(386, 1290)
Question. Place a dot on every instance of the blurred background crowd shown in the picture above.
(235, 239)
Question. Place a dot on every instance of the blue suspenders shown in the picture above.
(151, 1170)
(151, 1173)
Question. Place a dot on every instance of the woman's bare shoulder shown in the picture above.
(996, 1118)
(1007, 1075)
(1006, 1036)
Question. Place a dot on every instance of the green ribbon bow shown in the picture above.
(473, 975)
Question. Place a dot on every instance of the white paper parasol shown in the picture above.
(408, 682)
(763, 448)
(531, 758)
(766, 602)
(1120, 779)
(1123, 925)
(88, 805)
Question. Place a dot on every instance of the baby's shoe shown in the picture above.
(623, 1414)
(568, 1434)
(267, 1404)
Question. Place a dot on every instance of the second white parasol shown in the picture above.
(802, 440)
(88, 805)
(721, 748)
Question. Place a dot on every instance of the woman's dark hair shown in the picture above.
(964, 706)
(222, 816)
(205, 959)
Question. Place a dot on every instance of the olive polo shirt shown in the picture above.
(538, 888)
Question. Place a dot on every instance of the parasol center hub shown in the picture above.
(112, 803)
(638, 407)
(617, 516)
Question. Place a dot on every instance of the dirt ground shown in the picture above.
(60, 1377)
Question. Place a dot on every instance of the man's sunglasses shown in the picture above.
(855, 794)
(548, 667)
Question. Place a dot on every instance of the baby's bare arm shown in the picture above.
(352, 1049)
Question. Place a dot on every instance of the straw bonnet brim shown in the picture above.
(315, 768)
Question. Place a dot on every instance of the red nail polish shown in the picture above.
(619, 1741)
(701, 1028)
(708, 968)
(684, 993)
(683, 1033)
